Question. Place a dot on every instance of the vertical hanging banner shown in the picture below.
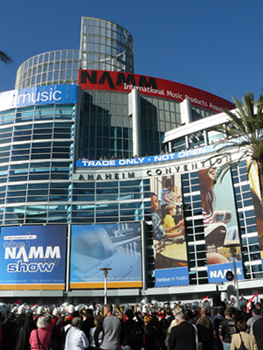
(256, 197)
(114, 246)
(220, 225)
(170, 252)
(33, 257)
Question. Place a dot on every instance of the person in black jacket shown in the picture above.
(9, 333)
(183, 336)
(258, 331)
(88, 323)
(151, 340)
(132, 332)
(22, 341)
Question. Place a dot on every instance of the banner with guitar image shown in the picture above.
(220, 224)
(170, 253)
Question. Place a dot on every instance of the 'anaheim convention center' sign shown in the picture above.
(125, 82)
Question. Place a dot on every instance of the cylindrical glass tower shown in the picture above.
(103, 46)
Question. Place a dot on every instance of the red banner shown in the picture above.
(125, 82)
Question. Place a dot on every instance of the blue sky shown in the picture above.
(214, 45)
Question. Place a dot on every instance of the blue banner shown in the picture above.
(114, 246)
(217, 272)
(171, 277)
(33, 255)
(144, 160)
(39, 95)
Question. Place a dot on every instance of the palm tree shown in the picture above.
(4, 57)
(245, 133)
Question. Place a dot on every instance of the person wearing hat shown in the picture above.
(40, 337)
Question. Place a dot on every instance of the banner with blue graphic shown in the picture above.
(38, 95)
(114, 246)
(171, 277)
(33, 255)
(146, 160)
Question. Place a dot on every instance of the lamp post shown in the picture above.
(105, 272)
(233, 250)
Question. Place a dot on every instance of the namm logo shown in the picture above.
(113, 80)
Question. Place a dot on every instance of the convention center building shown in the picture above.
(104, 168)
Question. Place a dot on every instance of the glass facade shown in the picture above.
(38, 184)
(37, 157)
(103, 46)
(49, 68)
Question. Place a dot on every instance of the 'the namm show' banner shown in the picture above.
(114, 246)
(33, 257)
(220, 225)
(170, 253)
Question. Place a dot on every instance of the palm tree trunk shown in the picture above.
(260, 177)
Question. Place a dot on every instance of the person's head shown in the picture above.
(148, 319)
(170, 209)
(96, 320)
(255, 311)
(22, 318)
(41, 322)
(203, 311)
(129, 314)
(108, 309)
(169, 184)
(48, 318)
(154, 202)
(241, 326)
(12, 317)
(179, 317)
(207, 177)
(89, 312)
(29, 316)
(258, 305)
(220, 311)
(228, 312)
(76, 322)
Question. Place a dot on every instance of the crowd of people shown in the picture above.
(148, 327)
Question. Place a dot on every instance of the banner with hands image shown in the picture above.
(256, 198)
(220, 224)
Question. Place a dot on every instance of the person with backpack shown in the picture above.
(132, 333)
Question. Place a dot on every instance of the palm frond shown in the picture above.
(4, 57)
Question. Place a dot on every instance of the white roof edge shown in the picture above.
(193, 127)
